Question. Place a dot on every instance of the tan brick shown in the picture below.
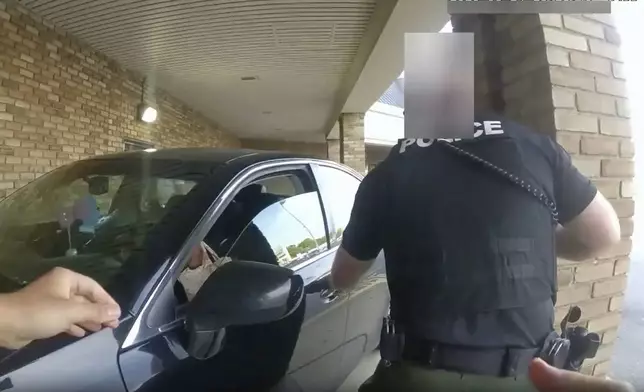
(557, 56)
(567, 77)
(626, 149)
(605, 49)
(616, 303)
(610, 320)
(623, 108)
(617, 168)
(599, 146)
(603, 18)
(625, 208)
(562, 98)
(594, 308)
(611, 86)
(609, 286)
(583, 26)
(564, 39)
(627, 188)
(565, 277)
(588, 167)
(622, 248)
(598, 103)
(592, 272)
(626, 226)
(553, 20)
(574, 294)
(589, 62)
(568, 120)
(618, 70)
(570, 142)
(621, 266)
(609, 336)
(614, 126)
(608, 187)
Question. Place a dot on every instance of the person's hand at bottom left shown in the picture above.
(57, 302)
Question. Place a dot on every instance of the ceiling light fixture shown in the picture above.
(147, 113)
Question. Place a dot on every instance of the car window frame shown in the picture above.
(152, 317)
(315, 169)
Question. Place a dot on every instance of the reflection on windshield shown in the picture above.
(90, 217)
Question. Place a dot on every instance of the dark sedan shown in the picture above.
(132, 221)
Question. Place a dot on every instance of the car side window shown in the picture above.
(269, 221)
(284, 230)
(338, 190)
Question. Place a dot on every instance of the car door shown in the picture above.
(369, 300)
(294, 234)
(315, 365)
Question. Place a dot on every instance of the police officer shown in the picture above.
(471, 230)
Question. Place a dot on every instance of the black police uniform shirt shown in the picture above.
(423, 196)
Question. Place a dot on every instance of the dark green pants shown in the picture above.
(414, 378)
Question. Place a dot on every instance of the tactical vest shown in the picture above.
(476, 267)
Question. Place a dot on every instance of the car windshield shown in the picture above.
(89, 216)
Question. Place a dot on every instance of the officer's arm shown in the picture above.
(361, 241)
(589, 224)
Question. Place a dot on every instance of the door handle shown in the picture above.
(329, 296)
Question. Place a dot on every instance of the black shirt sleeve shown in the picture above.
(362, 237)
(573, 192)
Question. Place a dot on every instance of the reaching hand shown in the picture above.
(57, 302)
(549, 379)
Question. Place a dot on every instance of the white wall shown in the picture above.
(383, 124)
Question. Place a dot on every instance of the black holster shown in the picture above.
(570, 352)
(392, 341)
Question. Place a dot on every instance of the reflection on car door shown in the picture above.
(370, 299)
(315, 365)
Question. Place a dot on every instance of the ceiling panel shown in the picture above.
(298, 50)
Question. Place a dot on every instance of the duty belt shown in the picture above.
(501, 362)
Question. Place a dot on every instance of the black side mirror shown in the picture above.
(239, 293)
(98, 185)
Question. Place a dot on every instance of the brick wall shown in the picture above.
(317, 150)
(349, 146)
(563, 75)
(61, 101)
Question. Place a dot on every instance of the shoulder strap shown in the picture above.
(531, 189)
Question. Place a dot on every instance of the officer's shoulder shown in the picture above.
(522, 133)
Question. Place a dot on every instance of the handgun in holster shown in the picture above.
(575, 344)
(392, 341)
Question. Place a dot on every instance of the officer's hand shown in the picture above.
(59, 301)
(549, 379)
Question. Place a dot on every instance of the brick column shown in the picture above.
(563, 75)
(349, 147)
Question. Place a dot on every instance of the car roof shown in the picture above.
(205, 154)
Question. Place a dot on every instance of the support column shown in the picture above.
(348, 147)
(563, 75)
